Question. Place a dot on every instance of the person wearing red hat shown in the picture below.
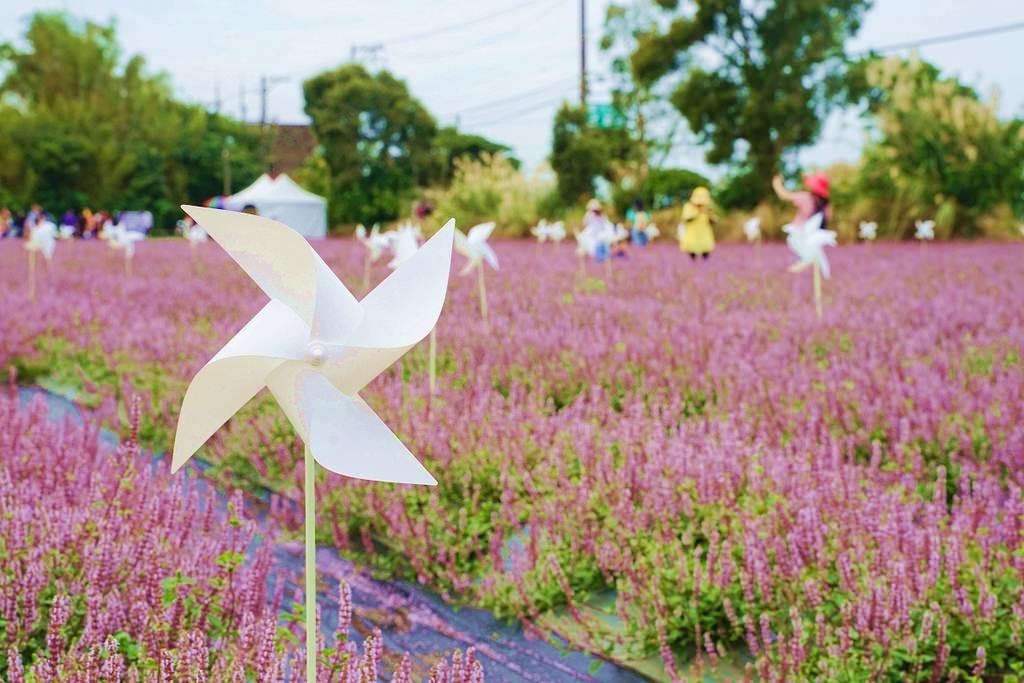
(810, 202)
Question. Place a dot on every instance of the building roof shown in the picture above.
(293, 143)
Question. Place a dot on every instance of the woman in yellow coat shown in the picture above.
(698, 216)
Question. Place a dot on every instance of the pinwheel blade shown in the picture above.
(403, 308)
(336, 313)
(462, 244)
(276, 257)
(348, 438)
(489, 255)
(481, 233)
(236, 374)
(344, 435)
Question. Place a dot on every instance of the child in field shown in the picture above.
(638, 219)
(808, 203)
(596, 224)
(698, 216)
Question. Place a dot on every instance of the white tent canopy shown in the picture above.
(282, 199)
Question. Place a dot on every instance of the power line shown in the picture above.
(519, 112)
(559, 84)
(462, 48)
(410, 37)
(949, 37)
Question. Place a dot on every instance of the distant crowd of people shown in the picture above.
(697, 220)
(86, 224)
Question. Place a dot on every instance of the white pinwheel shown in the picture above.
(542, 231)
(195, 236)
(752, 229)
(375, 241)
(868, 231)
(586, 244)
(475, 248)
(66, 232)
(808, 242)
(314, 346)
(924, 230)
(43, 239)
(121, 237)
(403, 242)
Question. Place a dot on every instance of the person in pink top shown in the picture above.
(807, 203)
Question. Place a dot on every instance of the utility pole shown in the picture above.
(583, 53)
(216, 96)
(266, 83)
(241, 98)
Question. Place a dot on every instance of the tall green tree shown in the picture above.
(754, 78)
(581, 152)
(938, 150)
(376, 139)
(81, 125)
(654, 122)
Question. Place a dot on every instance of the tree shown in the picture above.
(938, 149)
(654, 122)
(80, 125)
(376, 140)
(581, 152)
(755, 78)
(453, 145)
(663, 187)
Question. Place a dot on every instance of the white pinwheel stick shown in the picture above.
(476, 250)
(120, 237)
(808, 241)
(752, 231)
(375, 244)
(42, 240)
(314, 346)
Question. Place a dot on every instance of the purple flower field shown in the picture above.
(675, 466)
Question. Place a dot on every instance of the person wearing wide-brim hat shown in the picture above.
(600, 228)
(807, 203)
(698, 216)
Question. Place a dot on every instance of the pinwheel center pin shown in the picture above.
(316, 353)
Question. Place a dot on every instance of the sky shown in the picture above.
(498, 68)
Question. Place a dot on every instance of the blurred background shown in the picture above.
(518, 110)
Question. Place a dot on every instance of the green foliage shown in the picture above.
(580, 153)
(662, 187)
(81, 126)
(493, 189)
(940, 151)
(755, 78)
(376, 139)
(452, 145)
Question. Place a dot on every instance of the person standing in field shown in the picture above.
(807, 203)
(600, 228)
(698, 217)
(637, 219)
